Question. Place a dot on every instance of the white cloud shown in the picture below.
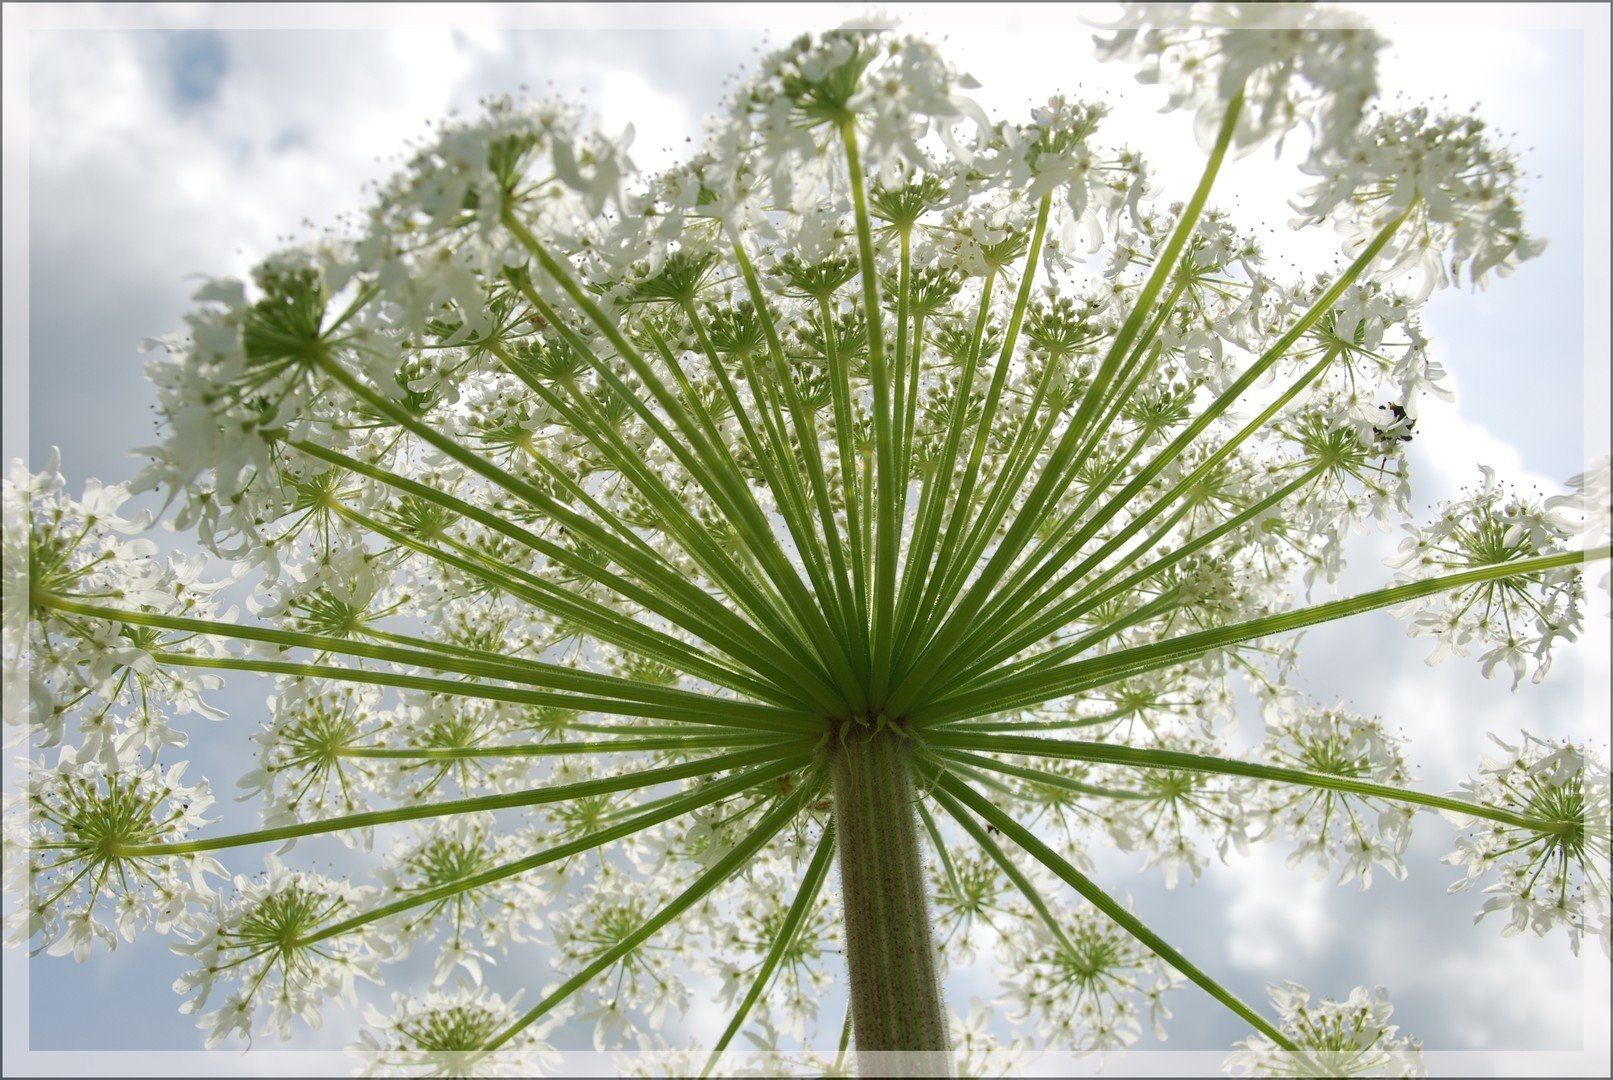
(1280, 919)
(660, 121)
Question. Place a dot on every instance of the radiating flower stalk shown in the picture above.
(805, 552)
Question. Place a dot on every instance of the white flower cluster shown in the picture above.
(308, 765)
(973, 905)
(477, 923)
(1294, 64)
(646, 984)
(1335, 828)
(1454, 191)
(1352, 1037)
(1173, 812)
(897, 88)
(445, 1033)
(1515, 620)
(742, 935)
(1550, 868)
(1171, 817)
(1088, 986)
(74, 854)
(87, 684)
(258, 943)
(1386, 367)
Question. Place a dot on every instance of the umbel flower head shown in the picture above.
(1550, 868)
(1336, 826)
(1292, 64)
(1517, 620)
(76, 854)
(1352, 1037)
(787, 569)
(442, 1034)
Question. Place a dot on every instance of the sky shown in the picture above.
(161, 143)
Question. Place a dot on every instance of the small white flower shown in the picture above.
(256, 941)
(1086, 984)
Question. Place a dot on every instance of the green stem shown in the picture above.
(725, 631)
(800, 602)
(1031, 514)
(702, 796)
(702, 451)
(982, 837)
(969, 762)
(692, 451)
(764, 444)
(634, 553)
(899, 377)
(1083, 601)
(676, 521)
(1037, 687)
(1027, 447)
(947, 785)
(950, 563)
(625, 633)
(901, 1023)
(805, 897)
(1019, 602)
(551, 749)
(936, 494)
(952, 744)
(836, 602)
(1048, 557)
(700, 714)
(594, 692)
(796, 753)
(714, 875)
(885, 470)
(841, 389)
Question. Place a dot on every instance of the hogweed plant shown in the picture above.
(802, 553)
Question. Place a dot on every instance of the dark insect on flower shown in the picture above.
(1400, 428)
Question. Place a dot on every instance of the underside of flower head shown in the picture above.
(888, 489)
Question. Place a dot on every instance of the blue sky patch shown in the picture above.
(197, 63)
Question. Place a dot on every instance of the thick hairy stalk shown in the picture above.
(897, 1014)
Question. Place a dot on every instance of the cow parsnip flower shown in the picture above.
(442, 1034)
(260, 948)
(1352, 1037)
(1454, 188)
(1515, 621)
(96, 684)
(74, 856)
(1551, 871)
(815, 550)
(1084, 980)
(1293, 65)
(1336, 828)
(469, 925)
